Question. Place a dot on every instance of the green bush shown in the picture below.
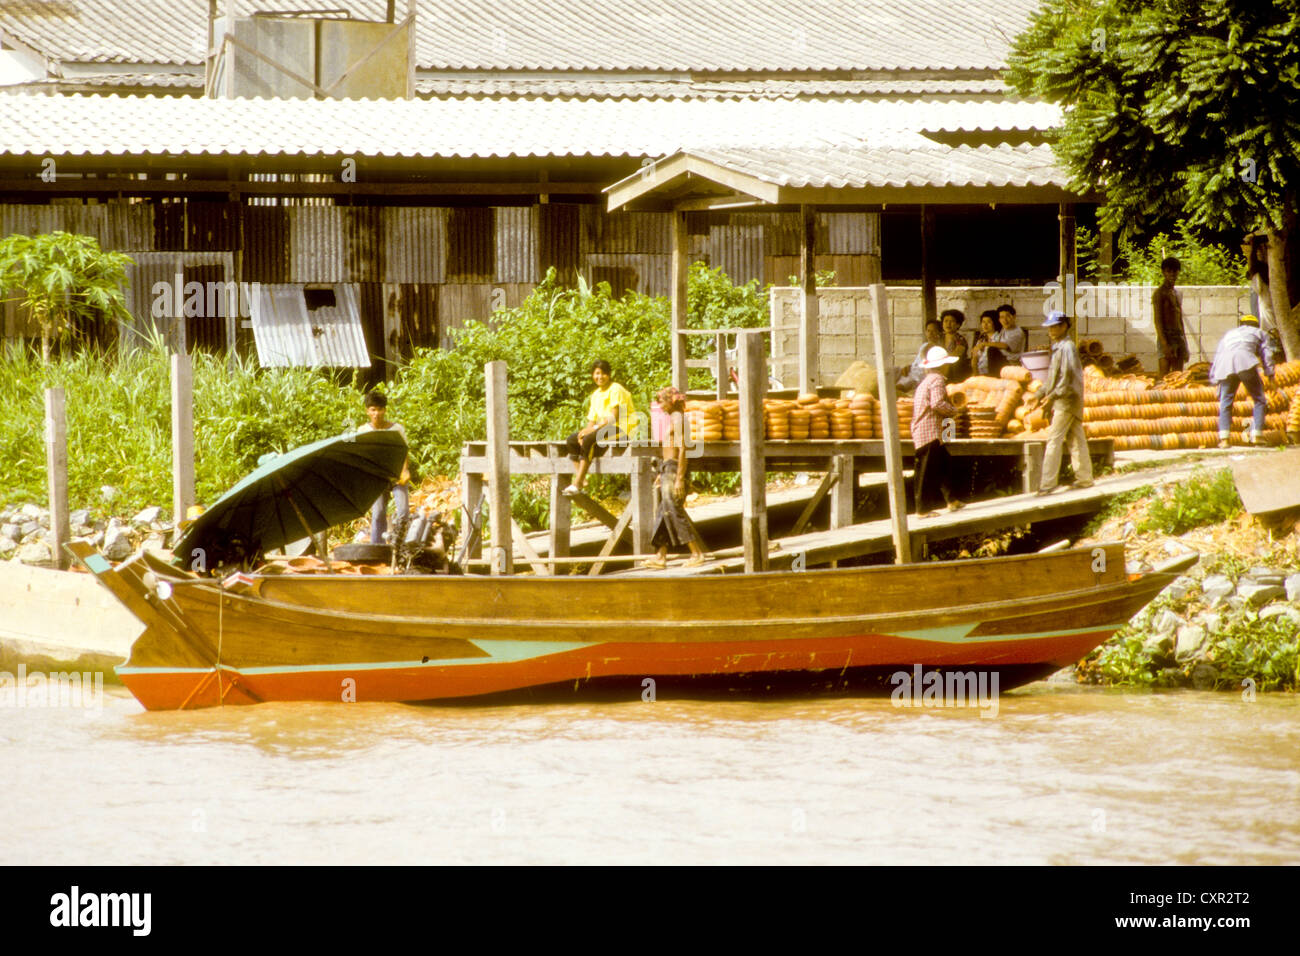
(1203, 499)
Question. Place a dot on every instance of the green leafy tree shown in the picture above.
(63, 277)
(1179, 109)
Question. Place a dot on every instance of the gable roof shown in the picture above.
(567, 35)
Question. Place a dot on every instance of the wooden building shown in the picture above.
(406, 217)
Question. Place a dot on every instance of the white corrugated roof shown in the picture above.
(858, 166)
(154, 125)
(700, 35)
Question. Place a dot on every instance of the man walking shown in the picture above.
(1063, 397)
(1236, 362)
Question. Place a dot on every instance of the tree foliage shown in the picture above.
(63, 277)
(1177, 109)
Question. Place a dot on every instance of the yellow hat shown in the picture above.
(1251, 319)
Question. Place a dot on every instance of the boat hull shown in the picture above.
(854, 631)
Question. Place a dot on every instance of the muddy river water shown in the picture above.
(1060, 775)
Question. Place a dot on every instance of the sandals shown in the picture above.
(654, 564)
(696, 560)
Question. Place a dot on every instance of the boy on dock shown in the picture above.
(609, 413)
(377, 421)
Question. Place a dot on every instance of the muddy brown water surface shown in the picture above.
(1061, 775)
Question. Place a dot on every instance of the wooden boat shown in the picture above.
(338, 637)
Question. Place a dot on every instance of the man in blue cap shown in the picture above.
(1063, 397)
(1237, 361)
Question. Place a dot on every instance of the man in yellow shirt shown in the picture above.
(609, 415)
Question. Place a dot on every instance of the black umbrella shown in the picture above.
(297, 494)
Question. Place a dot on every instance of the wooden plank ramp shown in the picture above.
(722, 512)
(873, 537)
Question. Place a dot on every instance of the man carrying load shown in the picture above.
(1236, 362)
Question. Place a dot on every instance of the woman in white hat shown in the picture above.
(930, 407)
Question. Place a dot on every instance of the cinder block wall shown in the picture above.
(1119, 316)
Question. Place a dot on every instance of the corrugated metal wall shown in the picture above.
(451, 264)
(415, 248)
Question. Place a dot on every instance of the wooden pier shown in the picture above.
(487, 466)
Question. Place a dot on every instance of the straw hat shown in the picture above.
(937, 356)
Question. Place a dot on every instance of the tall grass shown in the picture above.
(119, 422)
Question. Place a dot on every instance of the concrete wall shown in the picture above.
(1118, 316)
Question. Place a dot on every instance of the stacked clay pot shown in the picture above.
(731, 421)
(705, 420)
(1139, 416)
(776, 418)
(864, 410)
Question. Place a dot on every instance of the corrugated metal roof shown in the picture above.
(701, 89)
(857, 166)
(288, 334)
(738, 35)
(152, 125)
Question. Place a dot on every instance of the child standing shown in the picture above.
(377, 421)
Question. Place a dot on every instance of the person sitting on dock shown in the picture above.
(955, 344)
(910, 376)
(930, 409)
(1237, 360)
(1063, 397)
(377, 421)
(673, 526)
(610, 416)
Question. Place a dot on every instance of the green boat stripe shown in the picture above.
(512, 651)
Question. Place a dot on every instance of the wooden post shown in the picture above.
(929, 294)
(889, 421)
(561, 517)
(228, 47)
(642, 504)
(680, 272)
(498, 454)
(182, 435)
(720, 367)
(56, 471)
(809, 360)
(471, 498)
(753, 462)
(1069, 259)
(842, 491)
